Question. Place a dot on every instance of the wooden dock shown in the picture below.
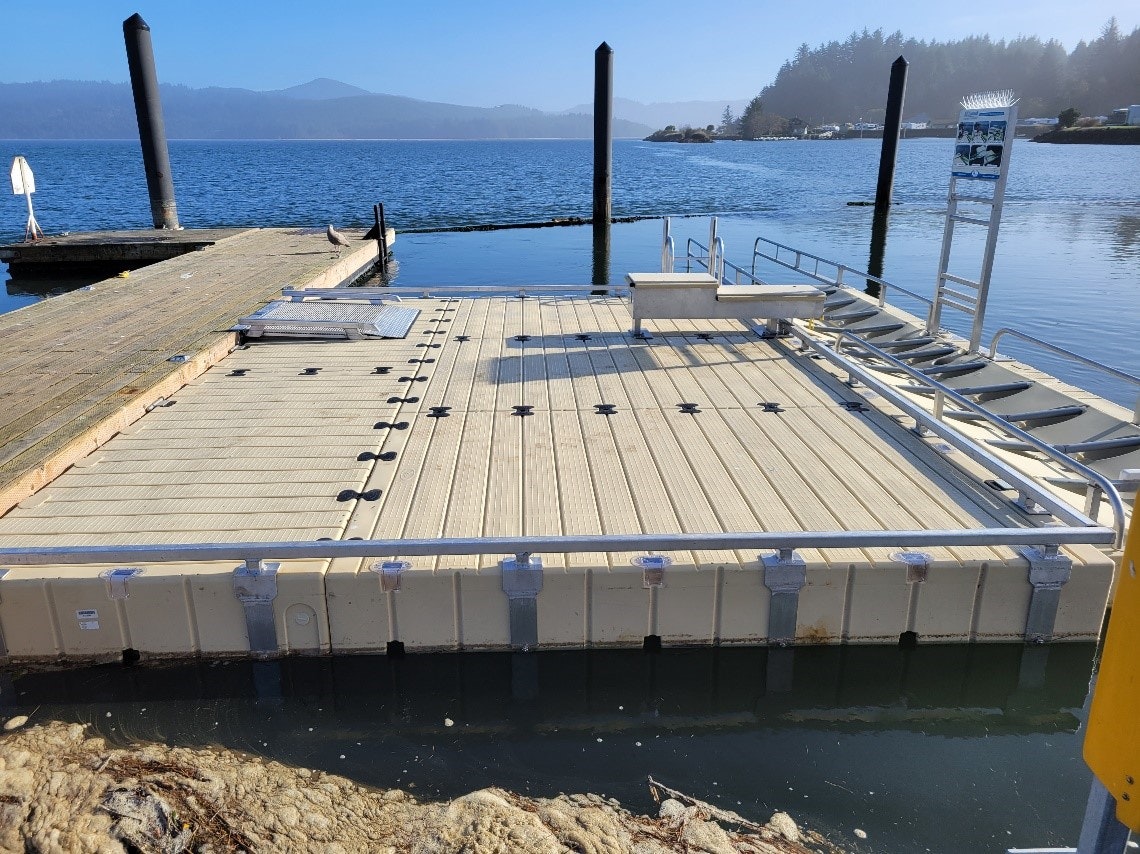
(77, 368)
(108, 251)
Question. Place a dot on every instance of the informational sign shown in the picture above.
(979, 151)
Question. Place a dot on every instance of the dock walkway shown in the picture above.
(509, 417)
(77, 368)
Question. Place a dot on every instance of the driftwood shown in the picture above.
(714, 812)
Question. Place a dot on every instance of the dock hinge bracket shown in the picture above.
(117, 579)
(522, 582)
(255, 586)
(785, 574)
(1048, 572)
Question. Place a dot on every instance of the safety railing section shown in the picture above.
(701, 258)
(726, 270)
(1069, 354)
(783, 572)
(823, 270)
(1078, 530)
(1031, 494)
(394, 294)
(668, 252)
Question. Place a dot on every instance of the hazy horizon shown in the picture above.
(500, 51)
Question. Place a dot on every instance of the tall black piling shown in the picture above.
(381, 230)
(603, 160)
(152, 130)
(878, 250)
(892, 124)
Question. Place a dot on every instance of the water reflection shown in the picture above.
(1126, 237)
(879, 222)
(842, 737)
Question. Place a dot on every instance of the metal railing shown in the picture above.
(740, 275)
(1084, 360)
(934, 423)
(253, 554)
(394, 293)
(840, 270)
(718, 262)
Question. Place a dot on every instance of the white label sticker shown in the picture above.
(87, 614)
(89, 625)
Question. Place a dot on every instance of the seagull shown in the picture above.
(337, 239)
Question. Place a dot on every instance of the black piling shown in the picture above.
(878, 249)
(891, 127)
(381, 238)
(152, 130)
(603, 160)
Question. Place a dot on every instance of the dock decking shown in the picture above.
(485, 421)
(79, 367)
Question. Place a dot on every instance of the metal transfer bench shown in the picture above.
(699, 296)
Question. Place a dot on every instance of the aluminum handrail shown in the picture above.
(397, 291)
(763, 540)
(721, 262)
(703, 260)
(1084, 360)
(841, 269)
(971, 448)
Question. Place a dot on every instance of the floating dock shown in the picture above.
(108, 251)
(512, 471)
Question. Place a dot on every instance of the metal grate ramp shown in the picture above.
(325, 319)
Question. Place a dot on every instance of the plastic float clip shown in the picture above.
(389, 572)
(117, 580)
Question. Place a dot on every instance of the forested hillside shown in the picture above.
(846, 81)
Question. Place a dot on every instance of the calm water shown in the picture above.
(948, 749)
(1066, 266)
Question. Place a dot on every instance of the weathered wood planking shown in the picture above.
(81, 366)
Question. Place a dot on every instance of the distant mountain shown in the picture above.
(697, 114)
(321, 89)
(321, 109)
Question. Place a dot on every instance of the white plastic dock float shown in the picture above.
(522, 473)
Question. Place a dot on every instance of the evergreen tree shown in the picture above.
(843, 81)
(727, 122)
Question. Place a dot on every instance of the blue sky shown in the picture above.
(486, 52)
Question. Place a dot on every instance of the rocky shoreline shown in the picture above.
(1092, 136)
(62, 790)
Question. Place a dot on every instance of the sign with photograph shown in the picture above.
(980, 147)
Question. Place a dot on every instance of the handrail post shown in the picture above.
(255, 586)
(522, 582)
(785, 574)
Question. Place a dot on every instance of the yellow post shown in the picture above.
(1112, 744)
